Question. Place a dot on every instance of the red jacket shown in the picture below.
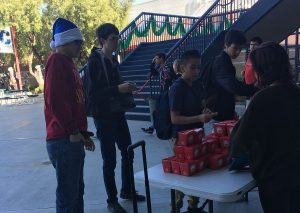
(64, 100)
(250, 77)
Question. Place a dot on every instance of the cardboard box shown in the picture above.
(212, 145)
(230, 127)
(179, 152)
(220, 129)
(215, 161)
(199, 134)
(186, 138)
(167, 164)
(192, 152)
(224, 142)
(189, 168)
(202, 163)
(175, 166)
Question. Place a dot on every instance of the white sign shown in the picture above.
(6, 41)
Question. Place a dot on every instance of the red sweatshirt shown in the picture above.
(250, 77)
(64, 100)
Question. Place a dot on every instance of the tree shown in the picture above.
(33, 20)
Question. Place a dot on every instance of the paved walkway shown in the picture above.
(27, 180)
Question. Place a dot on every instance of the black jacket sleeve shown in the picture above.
(224, 73)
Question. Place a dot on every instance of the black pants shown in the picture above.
(110, 132)
(280, 196)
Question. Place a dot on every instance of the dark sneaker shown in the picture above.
(128, 196)
(115, 207)
(149, 130)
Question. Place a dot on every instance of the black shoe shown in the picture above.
(115, 207)
(128, 196)
(149, 130)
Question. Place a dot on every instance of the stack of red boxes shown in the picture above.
(194, 152)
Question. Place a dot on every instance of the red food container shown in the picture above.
(212, 136)
(202, 163)
(216, 161)
(175, 166)
(189, 168)
(230, 127)
(203, 149)
(224, 142)
(186, 138)
(220, 129)
(212, 145)
(167, 164)
(179, 152)
(192, 152)
(199, 134)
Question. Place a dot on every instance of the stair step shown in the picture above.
(137, 116)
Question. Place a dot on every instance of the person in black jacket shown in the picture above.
(104, 82)
(224, 74)
(269, 131)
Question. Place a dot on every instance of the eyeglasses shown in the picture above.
(114, 38)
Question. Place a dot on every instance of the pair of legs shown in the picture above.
(68, 160)
(111, 131)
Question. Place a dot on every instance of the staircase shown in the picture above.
(136, 69)
(147, 35)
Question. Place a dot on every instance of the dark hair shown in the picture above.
(271, 63)
(256, 39)
(104, 30)
(235, 37)
(188, 55)
(161, 55)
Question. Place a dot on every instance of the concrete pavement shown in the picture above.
(27, 179)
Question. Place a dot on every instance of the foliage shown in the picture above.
(39, 89)
(33, 20)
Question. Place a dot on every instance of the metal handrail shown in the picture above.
(196, 38)
(145, 18)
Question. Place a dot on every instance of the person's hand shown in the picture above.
(126, 87)
(204, 118)
(89, 144)
(76, 138)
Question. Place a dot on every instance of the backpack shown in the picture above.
(162, 118)
(209, 85)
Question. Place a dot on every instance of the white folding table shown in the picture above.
(213, 185)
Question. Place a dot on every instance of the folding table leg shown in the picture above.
(173, 201)
(210, 206)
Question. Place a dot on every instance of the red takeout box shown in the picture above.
(186, 138)
(224, 142)
(175, 166)
(216, 161)
(192, 152)
(167, 164)
(179, 152)
(220, 129)
(189, 168)
(199, 134)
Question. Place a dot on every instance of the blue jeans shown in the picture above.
(68, 160)
(111, 131)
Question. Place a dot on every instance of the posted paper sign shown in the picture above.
(6, 41)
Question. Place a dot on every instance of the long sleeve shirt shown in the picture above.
(64, 100)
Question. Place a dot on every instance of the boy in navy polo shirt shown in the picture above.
(185, 99)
